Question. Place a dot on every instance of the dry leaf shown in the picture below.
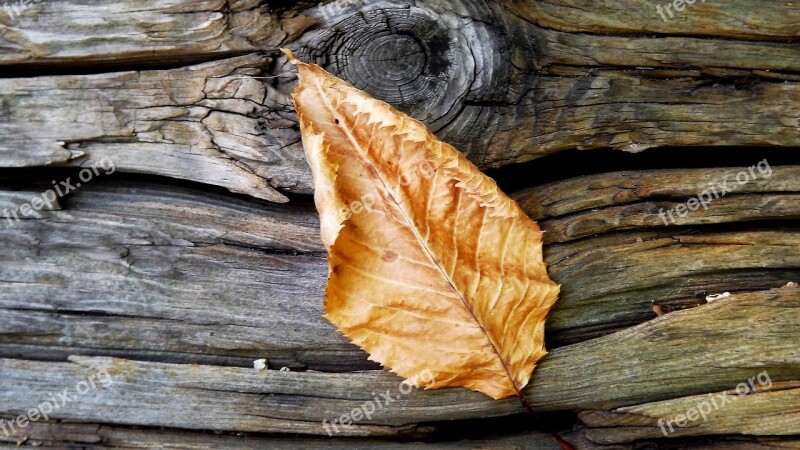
(432, 267)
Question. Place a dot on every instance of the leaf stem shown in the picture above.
(564, 444)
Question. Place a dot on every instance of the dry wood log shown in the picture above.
(770, 411)
(200, 123)
(628, 274)
(482, 75)
(54, 435)
(90, 436)
(591, 205)
(149, 32)
(728, 339)
(774, 21)
(479, 76)
(252, 280)
(168, 31)
(125, 258)
(174, 32)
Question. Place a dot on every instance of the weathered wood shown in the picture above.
(649, 55)
(777, 21)
(483, 78)
(180, 32)
(638, 365)
(767, 412)
(239, 133)
(45, 434)
(200, 123)
(59, 435)
(147, 32)
(483, 87)
(704, 349)
(179, 281)
(251, 286)
(590, 205)
(126, 260)
(613, 281)
(581, 194)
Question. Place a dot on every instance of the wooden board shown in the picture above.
(634, 366)
(522, 91)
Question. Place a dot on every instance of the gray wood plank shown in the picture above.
(642, 364)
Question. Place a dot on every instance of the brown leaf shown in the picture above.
(432, 267)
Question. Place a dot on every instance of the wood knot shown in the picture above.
(420, 57)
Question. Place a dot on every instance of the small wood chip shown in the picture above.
(712, 297)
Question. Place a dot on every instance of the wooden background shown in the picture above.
(200, 253)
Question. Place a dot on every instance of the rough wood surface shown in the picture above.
(597, 204)
(604, 373)
(86, 435)
(55, 435)
(156, 262)
(181, 269)
(158, 258)
(176, 32)
(774, 21)
(200, 123)
(482, 75)
(148, 32)
(770, 411)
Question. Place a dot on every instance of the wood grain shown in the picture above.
(591, 205)
(126, 257)
(148, 32)
(633, 366)
(734, 19)
(484, 76)
(770, 410)
(92, 436)
(200, 123)
(87, 435)
(181, 269)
